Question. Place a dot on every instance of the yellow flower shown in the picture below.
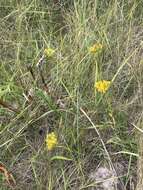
(49, 52)
(95, 48)
(51, 140)
(102, 86)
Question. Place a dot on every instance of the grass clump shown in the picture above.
(75, 70)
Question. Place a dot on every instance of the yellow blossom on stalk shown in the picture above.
(95, 48)
(102, 86)
(51, 141)
(49, 52)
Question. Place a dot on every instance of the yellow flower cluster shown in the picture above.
(51, 140)
(102, 86)
(49, 52)
(95, 48)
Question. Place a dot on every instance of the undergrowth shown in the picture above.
(40, 94)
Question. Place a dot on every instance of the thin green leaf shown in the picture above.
(60, 158)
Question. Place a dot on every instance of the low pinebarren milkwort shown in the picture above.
(51, 141)
(95, 48)
(49, 52)
(102, 86)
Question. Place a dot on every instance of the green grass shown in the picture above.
(92, 128)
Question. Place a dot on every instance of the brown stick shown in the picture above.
(8, 106)
(29, 68)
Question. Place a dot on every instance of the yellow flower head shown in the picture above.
(102, 86)
(95, 48)
(51, 140)
(49, 52)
